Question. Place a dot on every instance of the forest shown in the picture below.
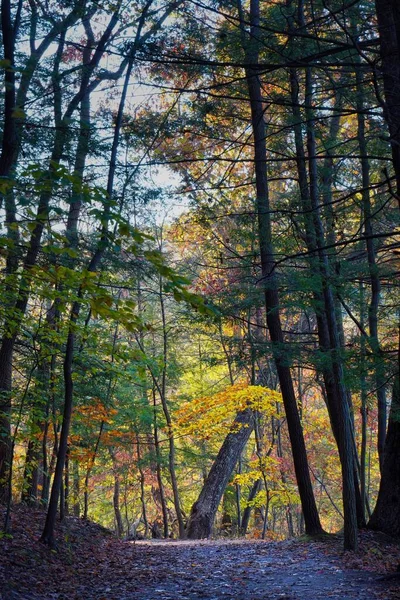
(199, 256)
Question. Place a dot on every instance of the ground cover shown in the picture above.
(90, 563)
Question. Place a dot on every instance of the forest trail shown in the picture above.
(91, 564)
(250, 570)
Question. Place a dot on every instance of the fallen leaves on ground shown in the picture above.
(91, 564)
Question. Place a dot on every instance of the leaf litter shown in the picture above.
(90, 563)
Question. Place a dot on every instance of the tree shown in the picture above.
(388, 13)
(14, 118)
(270, 117)
(311, 517)
(207, 415)
(387, 510)
(203, 511)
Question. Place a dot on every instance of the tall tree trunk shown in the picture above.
(12, 327)
(326, 311)
(158, 467)
(386, 515)
(364, 407)
(379, 366)
(48, 531)
(117, 511)
(31, 473)
(203, 511)
(142, 484)
(22, 297)
(171, 440)
(12, 129)
(388, 13)
(312, 522)
(345, 437)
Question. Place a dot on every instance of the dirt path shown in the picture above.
(91, 564)
(247, 571)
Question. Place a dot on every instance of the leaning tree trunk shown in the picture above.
(204, 510)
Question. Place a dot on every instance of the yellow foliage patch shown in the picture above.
(214, 415)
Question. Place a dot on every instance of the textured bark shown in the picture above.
(205, 508)
(326, 311)
(378, 357)
(388, 13)
(171, 440)
(306, 493)
(386, 516)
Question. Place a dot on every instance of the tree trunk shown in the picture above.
(171, 441)
(6, 354)
(158, 467)
(75, 475)
(255, 488)
(117, 511)
(142, 486)
(48, 531)
(12, 129)
(386, 515)
(388, 13)
(326, 313)
(343, 415)
(379, 366)
(203, 511)
(31, 473)
(313, 525)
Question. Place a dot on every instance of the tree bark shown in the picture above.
(158, 467)
(255, 488)
(379, 366)
(171, 440)
(31, 473)
(203, 511)
(117, 510)
(388, 13)
(311, 517)
(386, 515)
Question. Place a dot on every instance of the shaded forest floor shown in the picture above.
(91, 564)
